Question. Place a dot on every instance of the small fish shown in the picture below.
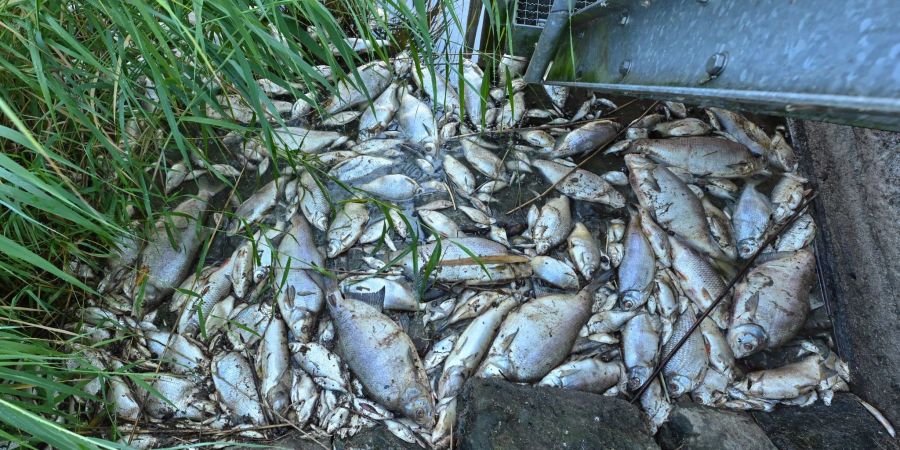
(255, 207)
(538, 138)
(555, 272)
(459, 175)
(417, 121)
(640, 348)
(324, 366)
(273, 368)
(581, 184)
(471, 347)
(392, 187)
(511, 66)
(682, 127)
(751, 219)
(657, 237)
(552, 225)
(436, 87)
(438, 352)
(799, 235)
(233, 378)
(685, 370)
(307, 141)
(513, 111)
(182, 355)
(638, 266)
(440, 223)
(314, 202)
(209, 291)
(395, 294)
(358, 167)
(558, 95)
(781, 155)
(787, 195)
(589, 375)
(743, 130)
(340, 119)
(585, 138)
(346, 228)
(375, 76)
(585, 252)
(181, 399)
(482, 159)
(720, 228)
(475, 103)
(700, 282)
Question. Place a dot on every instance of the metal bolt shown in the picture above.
(716, 64)
(625, 67)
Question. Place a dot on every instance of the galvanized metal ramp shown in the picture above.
(827, 60)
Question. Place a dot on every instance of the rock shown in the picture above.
(500, 415)
(377, 438)
(845, 425)
(698, 427)
(856, 172)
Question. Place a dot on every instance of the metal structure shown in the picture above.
(830, 60)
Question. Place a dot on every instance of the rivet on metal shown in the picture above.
(716, 64)
(625, 67)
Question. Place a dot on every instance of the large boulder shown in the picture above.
(698, 427)
(501, 415)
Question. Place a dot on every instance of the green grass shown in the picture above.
(74, 163)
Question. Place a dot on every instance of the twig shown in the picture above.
(579, 165)
(744, 269)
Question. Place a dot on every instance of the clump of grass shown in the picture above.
(85, 145)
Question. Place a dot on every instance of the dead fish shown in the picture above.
(247, 324)
(722, 188)
(799, 235)
(787, 195)
(537, 337)
(360, 45)
(305, 140)
(324, 366)
(459, 175)
(273, 368)
(383, 358)
(513, 111)
(555, 272)
(552, 225)
(255, 207)
(181, 399)
(236, 108)
(314, 202)
(751, 219)
(236, 390)
(392, 187)
(640, 348)
(743, 130)
(417, 121)
(165, 262)
(299, 295)
(657, 237)
(510, 67)
(472, 260)
(209, 291)
(558, 95)
(720, 228)
(794, 380)
(181, 354)
(682, 127)
(346, 228)
(705, 156)
(781, 155)
(435, 86)
(377, 146)
(589, 375)
(340, 119)
(771, 303)
(609, 321)
(359, 167)
(721, 358)
(303, 106)
(482, 159)
(585, 252)
(638, 266)
(304, 395)
(375, 76)
(676, 109)
(671, 203)
(438, 352)
(655, 406)
(393, 293)
(585, 138)
(538, 138)
(685, 370)
(580, 184)
(475, 103)
(440, 223)
(471, 347)
(700, 282)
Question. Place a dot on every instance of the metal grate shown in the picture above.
(533, 13)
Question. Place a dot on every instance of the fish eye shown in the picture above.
(748, 346)
(420, 413)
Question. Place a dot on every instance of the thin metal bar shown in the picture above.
(545, 49)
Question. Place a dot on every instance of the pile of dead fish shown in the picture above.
(397, 226)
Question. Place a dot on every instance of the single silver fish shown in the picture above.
(640, 348)
(375, 76)
(552, 225)
(554, 272)
(417, 121)
(585, 252)
(273, 368)
(589, 375)
(682, 127)
(233, 378)
(585, 138)
(475, 103)
(704, 156)
(743, 130)
(638, 266)
(751, 219)
(346, 228)
(700, 282)
(685, 370)
(537, 337)
(771, 303)
(580, 184)
(383, 358)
